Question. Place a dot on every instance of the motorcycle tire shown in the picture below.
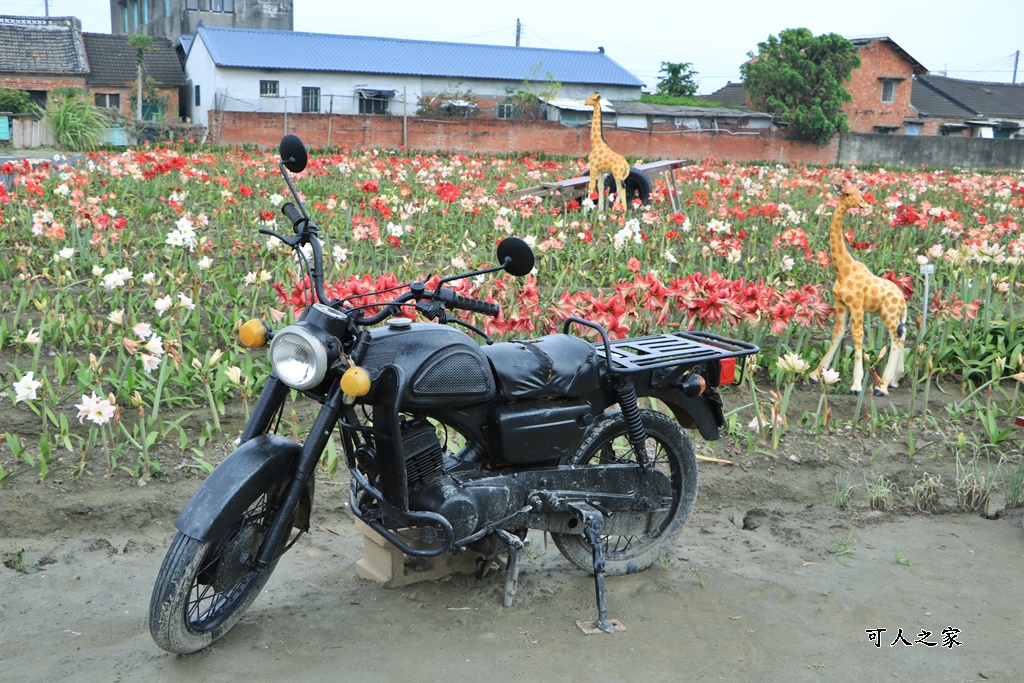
(669, 450)
(203, 587)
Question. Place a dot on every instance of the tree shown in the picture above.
(141, 43)
(799, 78)
(678, 80)
(15, 101)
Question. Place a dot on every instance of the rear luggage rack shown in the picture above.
(669, 350)
(663, 350)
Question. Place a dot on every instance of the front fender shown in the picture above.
(232, 487)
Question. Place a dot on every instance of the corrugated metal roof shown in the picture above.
(290, 50)
(645, 109)
(113, 61)
(36, 45)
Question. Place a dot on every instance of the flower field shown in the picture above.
(123, 279)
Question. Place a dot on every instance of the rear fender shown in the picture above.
(702, 412)
(236, 483)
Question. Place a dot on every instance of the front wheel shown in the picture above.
(204, 587)
(669, 451)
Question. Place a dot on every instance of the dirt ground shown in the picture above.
(768, 581)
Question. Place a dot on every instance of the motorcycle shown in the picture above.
(460, 446)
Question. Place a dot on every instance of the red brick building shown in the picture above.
(881, 89)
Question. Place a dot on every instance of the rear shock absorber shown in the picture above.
(635, 431)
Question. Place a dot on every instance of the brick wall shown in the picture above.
(866, 111)
(41, 82)
(501, 137)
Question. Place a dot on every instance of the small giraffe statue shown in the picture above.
(603, 160)
(856, 291)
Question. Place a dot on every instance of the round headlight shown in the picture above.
(298, 358)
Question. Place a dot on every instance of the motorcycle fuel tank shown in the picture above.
(441, 366)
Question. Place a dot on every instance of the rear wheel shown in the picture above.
(204, 587)
(670, 452)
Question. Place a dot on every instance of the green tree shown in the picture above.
(15, 101)
(799, 78)
(678, 80)
(141, 43)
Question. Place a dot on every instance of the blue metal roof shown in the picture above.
(291, 50)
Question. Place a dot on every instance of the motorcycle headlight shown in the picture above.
(298, 357)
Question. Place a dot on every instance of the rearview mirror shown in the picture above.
(515, 256)
(293, 153)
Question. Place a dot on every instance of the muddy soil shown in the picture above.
(768, 581)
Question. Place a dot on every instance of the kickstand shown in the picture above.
(515, 545)
(592, 522)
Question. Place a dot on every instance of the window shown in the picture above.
(135, 13)
(889, 90)
(268, 88)
(191, 4)
(374, 101)
(145, 11)
(197, 99)
(507, 110)
(167, 8)
(108, 100)
(221, 5)
(311, 100)
(124, 16)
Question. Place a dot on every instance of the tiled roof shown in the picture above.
(978, 98)
(929, 101)
(113, 61)
(644, 109)
(730, 93)
(859, 43)
(290, 50)
(35, 45)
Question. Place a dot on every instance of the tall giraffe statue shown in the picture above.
(858, 291)
(603, 160)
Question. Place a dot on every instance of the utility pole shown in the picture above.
(1016, 58)
(519, 32)
(46, 6)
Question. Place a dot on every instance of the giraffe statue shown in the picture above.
(857, 291)
(603, 160)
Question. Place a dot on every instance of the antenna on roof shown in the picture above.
(519, 31)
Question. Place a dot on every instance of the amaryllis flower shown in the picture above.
(25, 388)
(95, 409)
(792, 362)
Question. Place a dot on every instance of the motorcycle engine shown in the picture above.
(429, 487)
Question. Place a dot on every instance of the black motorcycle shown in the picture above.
(547, 434)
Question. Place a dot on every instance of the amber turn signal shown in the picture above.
(253, 334)
(355, 382)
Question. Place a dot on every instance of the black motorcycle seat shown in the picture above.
(554, 366)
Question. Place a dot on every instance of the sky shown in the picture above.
(973, 41)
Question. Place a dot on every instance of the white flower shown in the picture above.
(96, 410)
(185, 302)
(829, 376)
(116, 317)
(257, 277)
(97, 271)
(25, 388)
(787, 263)
(63, 190)
(669, 257)
(149, 278)
(155, 345)
(791, 362)
(275, 199)
(163, 304)
(922, 259)
(734, 256)
(234, 375)
(143, 330)
(150, 363)
(340, 254)
(64, 254)
(205, 263)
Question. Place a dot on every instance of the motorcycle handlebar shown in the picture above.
(293, 214)
(453, 300)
